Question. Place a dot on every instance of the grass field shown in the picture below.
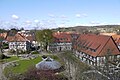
(24, 65)
(12, 58)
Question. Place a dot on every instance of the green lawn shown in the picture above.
(12, 58)
(24, 65)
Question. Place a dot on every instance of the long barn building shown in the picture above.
(93, 49)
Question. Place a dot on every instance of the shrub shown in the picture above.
(23, 52)
(26, 52)
(5, 46)
(44, 56)
(34, 74)
(35, 52)
(2, 56)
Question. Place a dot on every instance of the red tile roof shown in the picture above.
(62, 37)
(96, 45)
(18, 37)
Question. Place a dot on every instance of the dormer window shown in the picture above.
(93, 50)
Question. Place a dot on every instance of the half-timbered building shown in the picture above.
(18, 42)
(62, 42)
(93, 49)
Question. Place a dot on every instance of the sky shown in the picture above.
(39, 14)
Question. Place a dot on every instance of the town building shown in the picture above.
(93, 49)
(30, 36)
(18, 42)
(62, 42)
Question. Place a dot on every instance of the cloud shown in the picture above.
(85, 24)
(63, 16)
(28, 22)
(118, 23)
(78, 15)
(77, 24)
(84, 15)
(51, 15)
(81, 15)
(36, 21)
(94, 22)
(61, 25)
(15, 17)
(50, 21)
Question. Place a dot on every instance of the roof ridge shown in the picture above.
(20, 36)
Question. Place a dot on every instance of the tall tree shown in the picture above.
(45, 37)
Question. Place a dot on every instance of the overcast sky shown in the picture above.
(58, 13)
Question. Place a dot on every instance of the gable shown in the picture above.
(17, 37)
(110, 45)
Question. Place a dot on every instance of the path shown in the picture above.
(8, 63)
(2, 77)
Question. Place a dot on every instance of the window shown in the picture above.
(93, 50)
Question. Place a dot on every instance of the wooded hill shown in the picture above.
(86, 28)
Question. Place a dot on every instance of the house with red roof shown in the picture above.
(18, 42)
(93, 49)
(30, 36)
(62, 41)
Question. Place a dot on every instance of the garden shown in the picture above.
(20, 67)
